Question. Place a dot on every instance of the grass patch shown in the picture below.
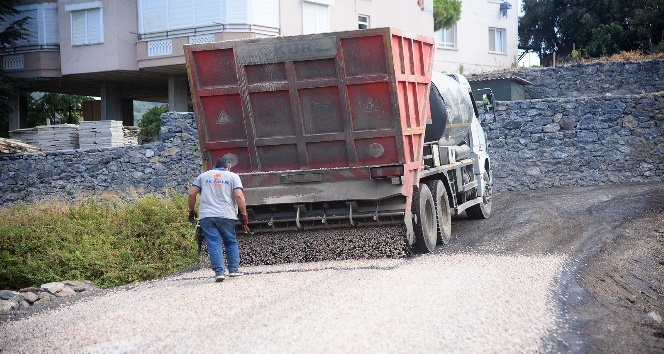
(106, 240)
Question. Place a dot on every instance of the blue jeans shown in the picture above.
(215, 231)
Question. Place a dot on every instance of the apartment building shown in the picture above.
(126, 50)
(484, 39)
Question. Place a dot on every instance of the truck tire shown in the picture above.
(483, 209)
(426, 224)
(443, 213)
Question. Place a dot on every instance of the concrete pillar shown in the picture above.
(18, 117)
(127, 112)
(177, 94)
(111, 101)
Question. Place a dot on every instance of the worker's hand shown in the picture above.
(192, 216)
(244, 218)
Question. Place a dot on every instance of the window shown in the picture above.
(497, 40)
(41, 28)
(160, 19)
(362, 21)
(446, 37)
(167, 15)
(87, 26)
(315, 18)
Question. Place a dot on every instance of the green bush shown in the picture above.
(150, 122)
(606, 40)
(105, 240)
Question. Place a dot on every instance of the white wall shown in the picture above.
(405, 15)
(118, 50)
(472, 53)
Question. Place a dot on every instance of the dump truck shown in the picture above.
(343, 130)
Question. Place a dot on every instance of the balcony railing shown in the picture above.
(31, 48)
(216, 28)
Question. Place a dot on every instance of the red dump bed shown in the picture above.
(344, 100)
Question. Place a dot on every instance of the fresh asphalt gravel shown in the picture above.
(461, 302)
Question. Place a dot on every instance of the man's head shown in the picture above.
(223, 162)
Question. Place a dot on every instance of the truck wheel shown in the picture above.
(426, 225)
(443, 213)
(483, 209)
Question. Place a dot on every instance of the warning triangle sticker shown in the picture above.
(223, 118)
(371, 106)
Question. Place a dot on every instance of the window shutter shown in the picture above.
(153, 13)
(95, 26)
(207, 12)
(501, 41)
(237, 11)
(180, 14)
(78, 27)
(322, 19)
(5, 22)
(266, 13)
(51, 26)
(308, 18)
(31, 32)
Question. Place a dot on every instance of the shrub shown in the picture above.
(150, 122)
(109, 242)
(606, 40)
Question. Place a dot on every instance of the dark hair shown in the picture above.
(223, 162)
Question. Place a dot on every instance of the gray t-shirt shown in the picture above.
(218, 193)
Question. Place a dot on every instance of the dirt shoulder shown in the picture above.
(612, 290)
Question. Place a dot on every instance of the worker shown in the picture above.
(221, 195)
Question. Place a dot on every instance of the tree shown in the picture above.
(13, 31)
(647, 21)
(549, 26)
(445, 13)
(55, 108)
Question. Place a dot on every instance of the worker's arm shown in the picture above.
(191, 200)
(239, 200)
(242, 205)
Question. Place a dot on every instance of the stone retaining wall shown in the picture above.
(587, 80)
(170, 164)
(577, 142)
(533, 144)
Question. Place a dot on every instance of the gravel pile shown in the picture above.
(435, 303)
(322, 245)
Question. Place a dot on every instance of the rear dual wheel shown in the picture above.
(433, 224)
(443, 212)
(425, 224)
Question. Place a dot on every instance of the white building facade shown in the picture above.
(484, 39)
